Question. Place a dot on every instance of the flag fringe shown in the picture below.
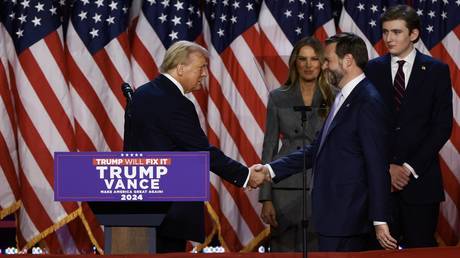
(11, 209)
(78, 213)
(248, 247)
(256, 241)
(90, 232)
(209, 237)
(218, 228)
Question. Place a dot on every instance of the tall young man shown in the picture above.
(417, 89)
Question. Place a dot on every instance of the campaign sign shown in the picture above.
(131, 176)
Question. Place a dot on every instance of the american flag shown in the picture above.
(39, 120)
(440, 38)
(62, 94)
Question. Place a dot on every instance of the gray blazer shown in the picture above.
(283, 120)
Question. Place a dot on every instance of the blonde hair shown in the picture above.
(178, 53)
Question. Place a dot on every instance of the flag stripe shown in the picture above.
(253, 102)
(227, 232)
(39, 82)
(144, 60)
(95, 106)
(274, 61)
(8, 173)
(110, 73)
(227, 114)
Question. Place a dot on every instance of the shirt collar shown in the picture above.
(348, 88)
(178, 85)
(410, 58)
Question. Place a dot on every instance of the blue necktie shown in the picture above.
(330, 117)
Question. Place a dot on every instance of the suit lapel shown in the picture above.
(343, 111)
(388, 91)
(418, 73)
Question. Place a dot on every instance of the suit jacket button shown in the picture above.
(397, 128)
(296, 131)
(298, 147)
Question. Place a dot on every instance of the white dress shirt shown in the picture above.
(407, 69)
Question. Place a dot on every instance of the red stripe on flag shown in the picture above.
(441, 53)
(110, 73)
(19, 236)
(273, 59)
(244, 86)
(96, 230)
(456, 30)
(445, 231)
(94, 104)
(246, 209)
(455, 135)
(143, 58)
(226, 230)
(50, 101)
(53, 244)
(451, 185)
(231, 122)
(321, 34)
(84, 142)
(124, 43)
(31, 136)
(35, 143)
(380, 47)
(32, 204)
(55, 47)
(6, 163)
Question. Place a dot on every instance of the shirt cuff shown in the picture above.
(270, 169)
(412, 171)
(247, 179)
(376, 223)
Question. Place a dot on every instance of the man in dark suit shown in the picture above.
(351, 185)
(163, 119)
(417, 89)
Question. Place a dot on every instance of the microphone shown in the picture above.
(127, 91)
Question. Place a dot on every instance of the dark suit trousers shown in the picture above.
(413, 225)
(343, 244)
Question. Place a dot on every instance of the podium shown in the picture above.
(130, 227)
(131, 193)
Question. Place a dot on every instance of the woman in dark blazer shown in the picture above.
(307, 85)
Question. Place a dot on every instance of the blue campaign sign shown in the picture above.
(131, 176)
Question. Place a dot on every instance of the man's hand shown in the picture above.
(382, 233)
(259, 174)
(268, 214)
(400, 176)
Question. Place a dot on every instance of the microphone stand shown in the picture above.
(303, 112)
(127, 92)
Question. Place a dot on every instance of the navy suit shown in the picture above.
(351, 183)
(419, 130)
(165, 120)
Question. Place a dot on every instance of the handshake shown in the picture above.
(258, 174)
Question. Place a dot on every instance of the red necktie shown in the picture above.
(399, 83)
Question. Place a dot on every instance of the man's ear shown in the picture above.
(348, 60)
(180, 69)
(414, 34)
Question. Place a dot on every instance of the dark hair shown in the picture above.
(349, 43)
(405, 13)
(321, 81)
